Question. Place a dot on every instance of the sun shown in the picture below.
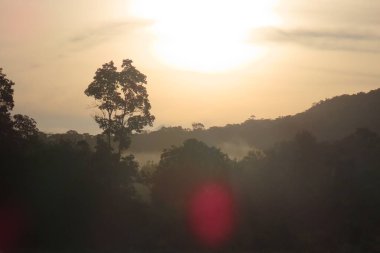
(206, 35)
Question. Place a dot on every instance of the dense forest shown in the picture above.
(310, 183)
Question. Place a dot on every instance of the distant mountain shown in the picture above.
(330, 119)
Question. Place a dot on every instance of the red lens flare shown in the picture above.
(211, 214)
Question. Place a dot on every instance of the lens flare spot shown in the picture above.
(12, 224)
(211, 214)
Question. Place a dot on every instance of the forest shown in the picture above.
(307, 188)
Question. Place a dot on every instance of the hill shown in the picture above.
(329, 120)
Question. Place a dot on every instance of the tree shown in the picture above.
(6, 93)
(6, 105)
(181, 173)
(198, 126)
(20, 126)
(25, 126)
(182, 168)
(122, 100)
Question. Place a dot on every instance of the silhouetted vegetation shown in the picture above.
(123, 101)
(303, 194)
(331, 119)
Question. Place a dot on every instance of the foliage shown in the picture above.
(25, 126)
(14, 131)
(180, 171)
(198, 126)
(6, 105)
(6, 93)
(123, 101)
(183, 167)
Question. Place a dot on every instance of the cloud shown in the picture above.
(328, 13)
(357, 41)
(94, 36)
(346, 73)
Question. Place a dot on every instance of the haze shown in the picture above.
(218, 62)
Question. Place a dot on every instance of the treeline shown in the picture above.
(330, 119)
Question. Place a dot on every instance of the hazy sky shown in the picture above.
(209, 61)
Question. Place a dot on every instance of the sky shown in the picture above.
(212, 61)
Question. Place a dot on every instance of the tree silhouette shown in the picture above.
(6, 105)
(16, 127)
(6, 93)
(25, 126)
(180, 172)
(123, 101)
(198, 126)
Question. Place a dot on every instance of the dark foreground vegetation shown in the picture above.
(300, 195)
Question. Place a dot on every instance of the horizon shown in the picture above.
(206, 127)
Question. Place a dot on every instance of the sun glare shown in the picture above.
(206, 35)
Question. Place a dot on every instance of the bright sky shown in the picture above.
(209, 61)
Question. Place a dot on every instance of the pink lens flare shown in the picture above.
(211, 214)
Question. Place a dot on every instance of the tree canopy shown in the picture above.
(122, 100)
(20, 127)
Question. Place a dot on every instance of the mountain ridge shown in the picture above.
(328, 120)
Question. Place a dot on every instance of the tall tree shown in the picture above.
(6, 104)
(122, 100)
(16, 128)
